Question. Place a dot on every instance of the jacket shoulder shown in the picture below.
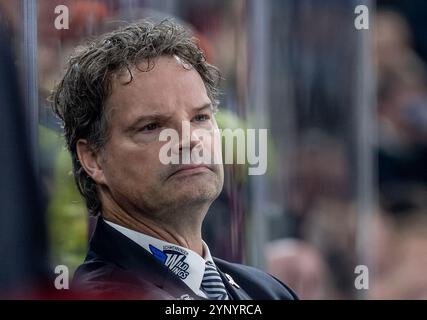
(257, 283)
(95, 279)
(98, 279)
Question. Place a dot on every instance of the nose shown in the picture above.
(188, 139)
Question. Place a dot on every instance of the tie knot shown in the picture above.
(212, 283)
(209, 265)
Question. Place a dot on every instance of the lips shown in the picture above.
(189, 169)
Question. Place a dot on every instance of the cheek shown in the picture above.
(130, 162)
(215, 146)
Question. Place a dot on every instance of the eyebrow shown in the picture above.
(161, 117)
(156, 117)
(205, 106)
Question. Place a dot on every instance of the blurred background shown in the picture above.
(346, 113)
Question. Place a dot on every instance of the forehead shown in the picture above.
(167, 87)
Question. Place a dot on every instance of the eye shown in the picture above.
(150, 127)
(202, 117)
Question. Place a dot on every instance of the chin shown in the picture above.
(195, 188)
(197, 193)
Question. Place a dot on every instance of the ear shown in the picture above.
(90, 161)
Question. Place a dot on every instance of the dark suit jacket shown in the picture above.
(117, 267)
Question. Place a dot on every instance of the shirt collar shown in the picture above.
(185, 263)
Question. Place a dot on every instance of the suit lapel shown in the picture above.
(129, 256)
(234, 289)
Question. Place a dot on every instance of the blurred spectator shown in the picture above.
(401, 272)
(402, 158)
(402, 104)
(300, 265)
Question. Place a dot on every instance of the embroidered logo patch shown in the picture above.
(173, 258)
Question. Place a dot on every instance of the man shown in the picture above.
(118, 94)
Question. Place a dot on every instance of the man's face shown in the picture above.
(155, 100)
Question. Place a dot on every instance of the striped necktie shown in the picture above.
(212, 283)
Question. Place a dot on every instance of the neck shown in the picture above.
(177, 229)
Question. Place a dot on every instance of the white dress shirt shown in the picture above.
(185, 263)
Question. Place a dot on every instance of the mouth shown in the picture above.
(190, 170)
